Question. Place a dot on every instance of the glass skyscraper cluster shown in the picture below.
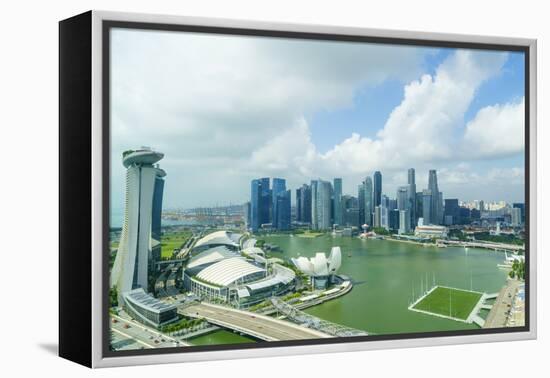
(269, 205)
(321, 205)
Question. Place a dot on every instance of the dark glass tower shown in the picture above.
(283, 211)
(377, 188)
(279, 186)
(338, 210)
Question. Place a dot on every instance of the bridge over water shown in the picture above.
(259, 326)
(313, 322)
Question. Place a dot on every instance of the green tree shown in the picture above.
(113, 296)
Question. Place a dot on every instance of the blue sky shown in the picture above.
(372, 105)
(227, 109)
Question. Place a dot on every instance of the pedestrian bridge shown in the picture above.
(258, 326)
(313, 322)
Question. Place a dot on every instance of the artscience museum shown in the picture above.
(319, 268)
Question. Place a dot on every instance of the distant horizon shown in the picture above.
(250, 107)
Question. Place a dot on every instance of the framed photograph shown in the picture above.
(232, 189)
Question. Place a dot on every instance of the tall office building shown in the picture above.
(303, 204)
(255, 200)
(265, 201)
(403, 197)
(377, 217)
(282, 220)
(377, 195)
(521, 206)
(404, 222)
(452, 211)
(144, 190)
(306, 203)
(369, 208)
(278, 186)
(313, 186)
(299, 211)
(361, 204)
(394, 219)
(411, 181)
(385, 217)
(338, 208)
(260, 201)
(427, 213)
(322, 205)
(436, 200)
(516, 217)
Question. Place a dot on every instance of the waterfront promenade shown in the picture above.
(499, 313)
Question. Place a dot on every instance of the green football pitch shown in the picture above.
(454, 303)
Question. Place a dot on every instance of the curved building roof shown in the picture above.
(227, 271)
(210, 256)
(219, 238)
(282, 276)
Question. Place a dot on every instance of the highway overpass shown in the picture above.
(259, 326)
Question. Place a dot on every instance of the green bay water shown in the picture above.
(385, 273)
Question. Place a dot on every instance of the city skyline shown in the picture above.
(457, 111)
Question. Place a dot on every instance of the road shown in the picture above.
(128, 334)
(252, 324)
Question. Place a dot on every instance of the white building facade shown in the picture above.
(134, 255)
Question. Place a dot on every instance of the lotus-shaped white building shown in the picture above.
(320, 268)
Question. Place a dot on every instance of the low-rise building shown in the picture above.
(431, 231)
(148, 310)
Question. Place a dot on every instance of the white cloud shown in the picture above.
(423, 129)
(225, 109)
(496, 130)
(205, 97)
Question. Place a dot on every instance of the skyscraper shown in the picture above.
(516, 216)
(377, 217)
(299, 204)
(436, 200)
(427, 204)
(157, 214)
(265, 201)
(521, 206)
(144, 190)
(255, 201)
(411, 181)
(306, 203)
(377, 188)
(404, 219)
(338, 210)
(278, 187)
(282, 221)
(403, 197)
(314, 185)
(322, 205)
(260, 200)
(393, 219)
(452, 211)
(361, 204)
(369, 208)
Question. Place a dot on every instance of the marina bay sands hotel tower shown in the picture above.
(139, 245)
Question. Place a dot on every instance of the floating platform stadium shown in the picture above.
(452, 303)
